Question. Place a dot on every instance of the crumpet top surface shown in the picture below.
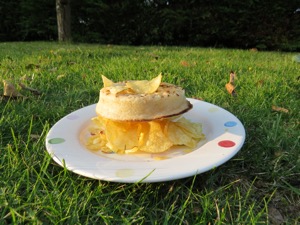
(118, 102)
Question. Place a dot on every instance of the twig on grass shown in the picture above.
(32, 90)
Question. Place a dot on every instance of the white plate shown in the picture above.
(225, 135)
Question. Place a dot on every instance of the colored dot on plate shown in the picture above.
(213, 109)
(56, 140)
(123, 173)
(230, 124)
(72, 117)
(226, 144)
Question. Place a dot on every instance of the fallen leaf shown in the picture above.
(184, 63)
(32, 90)
(10, 90)
(230, 86)
(231, 89)
(35, 136)
(232, 77)
(279, 109)
(275, 216)
(187, 64)
(260, 82)
(60, 76)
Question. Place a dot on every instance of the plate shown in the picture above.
(225, 135)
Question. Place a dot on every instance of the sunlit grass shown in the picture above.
(264, 175)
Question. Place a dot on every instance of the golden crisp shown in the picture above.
(152, 136)
(144, 86)
(107, 82)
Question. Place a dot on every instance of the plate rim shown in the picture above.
(127, 178)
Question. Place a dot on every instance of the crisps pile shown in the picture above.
(150, 136)
(130, 136)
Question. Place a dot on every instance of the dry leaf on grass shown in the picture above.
(232, 77)
(275, 216)
(279, 109)
(10, 90)
(60, 76)
(35, 136)
(260, 82)
(230, 88)
(184, 63)
(230, 85)
(187, 64)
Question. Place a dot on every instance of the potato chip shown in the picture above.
(121, 135)
(97, 141)
(193, 129)
(155, 140)
(151, 136)
(184, 132)
(116, 89)
(107, 82)
(130, 151)
(135, 86)
(99, 122)
(177, 136)
(144, 86)
(143, 131)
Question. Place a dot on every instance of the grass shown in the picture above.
(259, 185)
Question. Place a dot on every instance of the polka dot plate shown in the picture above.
(225, 136)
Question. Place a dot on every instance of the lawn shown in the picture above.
(259, 185)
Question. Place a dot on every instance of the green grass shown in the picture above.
(259, 185)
